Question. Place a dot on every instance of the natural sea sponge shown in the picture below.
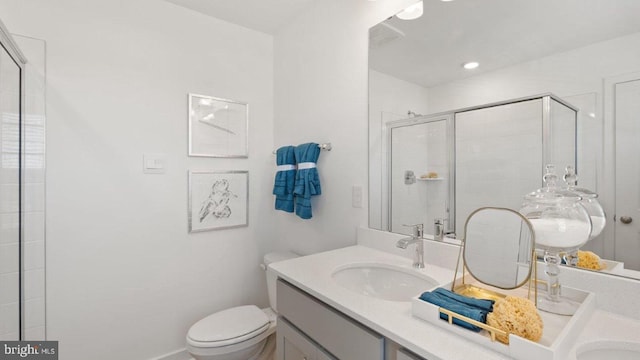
(517, 316)
(589, 260)
(429, 175)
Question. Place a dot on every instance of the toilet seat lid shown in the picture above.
(230, 326)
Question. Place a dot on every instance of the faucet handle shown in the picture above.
(417, 230)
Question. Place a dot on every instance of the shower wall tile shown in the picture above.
(8, 228)
(34, 284)
(34, 229)
(34, 175)
(35, 333)
(34, 255)
(409, 152)
(8, 281)
(9, 315)
(9, 193)
(9, 337)
(36, 310)
(498, 156)
(33, 197)
(421, 148)
(9, 258)
(8, 175)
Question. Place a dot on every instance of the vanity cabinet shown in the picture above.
(294, 345)
(403, 354)
(307, 325)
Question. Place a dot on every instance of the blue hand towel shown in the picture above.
(285, 178)
(448, 303)
(481, 304)
(307, 179)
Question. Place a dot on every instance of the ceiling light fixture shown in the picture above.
(412, 12)
(470, 65)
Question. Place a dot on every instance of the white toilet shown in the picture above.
(242, 332)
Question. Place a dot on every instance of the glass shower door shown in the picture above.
(419, 178)
(10, 198)
(499, 156)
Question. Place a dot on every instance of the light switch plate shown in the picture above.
(356, 196)
(154, 163)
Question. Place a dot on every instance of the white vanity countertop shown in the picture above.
(393, 320)
(606, 327)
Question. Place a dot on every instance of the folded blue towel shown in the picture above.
(481, 304)
(458, 307)
(285, 178)
(307, 179)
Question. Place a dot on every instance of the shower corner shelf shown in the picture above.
(430, 179)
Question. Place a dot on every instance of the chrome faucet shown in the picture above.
(439, 232)
(416, 238)
(438, 229)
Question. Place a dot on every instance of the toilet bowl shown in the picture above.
(242, 332)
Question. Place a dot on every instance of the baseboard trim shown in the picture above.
(181, 354)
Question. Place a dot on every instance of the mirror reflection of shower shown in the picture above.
(444, 166)
(419, 169)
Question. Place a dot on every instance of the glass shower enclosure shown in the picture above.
(11, 249)
(444, 166)
(22, 180)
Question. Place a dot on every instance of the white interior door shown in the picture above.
(627, 123)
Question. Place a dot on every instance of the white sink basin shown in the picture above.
(383, 281)
(618, 350)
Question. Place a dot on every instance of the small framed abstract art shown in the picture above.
(218, 127)
(218, 200)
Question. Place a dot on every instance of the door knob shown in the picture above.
(626, 219)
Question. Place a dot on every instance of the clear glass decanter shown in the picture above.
(560, 224)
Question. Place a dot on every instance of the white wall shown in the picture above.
(321, 95)
(124, 278)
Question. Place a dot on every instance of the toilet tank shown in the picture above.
(271, 258)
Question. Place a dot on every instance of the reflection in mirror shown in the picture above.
(500, 151)
(498, 245)
(419, 173)
(569, 48)
(626, 92)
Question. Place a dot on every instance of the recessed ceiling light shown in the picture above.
(470, 65)
(446, 0)
(412, 12)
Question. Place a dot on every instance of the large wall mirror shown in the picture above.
(558, 82)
